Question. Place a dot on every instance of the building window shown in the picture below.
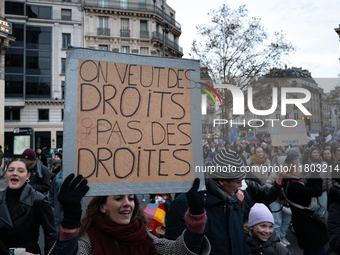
(144, 51)
(43, 114)
(123, 4)
(39, 12)
(28, 65)
(144, 33)
(103, 3)
(63, 65)
(103, 47)
(203, 130)
(287, 116)
(12, 114)
(296, 116)
(67, 1)
(142, 4)
(125, 49)
(278, 116)
(63, 83)
(62, 114)
(66, 14)
(103, 26)
(124, 28)
(66, 38)
(210, 129)
(16, 8)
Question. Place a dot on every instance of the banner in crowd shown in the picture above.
(282, 136)
(320, 139)
(251, 138)
(313, 135)
(336, 137)
(337, 132)
(129, 121)
(329, 129)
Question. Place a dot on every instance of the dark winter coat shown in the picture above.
(40, 184)
(333, 224)
(21, 229)
(271, 247)
(310, 235)
(224, 227)
(255, 193)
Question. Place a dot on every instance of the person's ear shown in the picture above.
(221, 182)
(103, 208)
(28, 176)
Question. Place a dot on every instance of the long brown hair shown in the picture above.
(93, 210)
(26, 162)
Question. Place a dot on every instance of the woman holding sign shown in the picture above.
(116, 225)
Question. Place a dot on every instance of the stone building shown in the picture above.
(131, 26)
(6, 39)
(35, 65)
(35, 68)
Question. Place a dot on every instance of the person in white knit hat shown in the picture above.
(262, 238)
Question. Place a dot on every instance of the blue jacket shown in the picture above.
(224, 227)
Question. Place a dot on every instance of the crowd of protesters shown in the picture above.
(240, 212)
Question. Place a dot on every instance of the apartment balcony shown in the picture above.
(158, 36)
(141, 7)
(144, 34)
(103, 31)
(124, 33)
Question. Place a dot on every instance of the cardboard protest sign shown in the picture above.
(282, 136)
(131, 122)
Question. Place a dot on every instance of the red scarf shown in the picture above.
(132, 238)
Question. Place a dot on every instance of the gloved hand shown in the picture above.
(195, 199)
(70, 195)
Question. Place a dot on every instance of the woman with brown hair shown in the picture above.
(23, 210)
(116, 225)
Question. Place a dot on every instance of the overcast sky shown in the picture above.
(308, 25)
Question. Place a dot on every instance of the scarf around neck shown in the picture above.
(132, 238)
(215, 189)
(38, 169)
(258, 159)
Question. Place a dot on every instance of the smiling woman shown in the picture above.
(117, 225)
(23, 210)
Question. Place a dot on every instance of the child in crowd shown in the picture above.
(262, 238)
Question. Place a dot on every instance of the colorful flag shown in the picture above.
(335, 111)
(233, 134)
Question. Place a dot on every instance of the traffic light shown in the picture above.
(250, 129)
(307, 119)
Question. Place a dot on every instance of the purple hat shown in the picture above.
(29, 154)
(259, 213)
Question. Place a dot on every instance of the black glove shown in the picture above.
(69, 198)
(310, 144)
(195, 199)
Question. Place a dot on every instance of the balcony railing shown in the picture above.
(103, 31)
(124, 33)
(144, 34)
(132, 7)
(159, 36)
